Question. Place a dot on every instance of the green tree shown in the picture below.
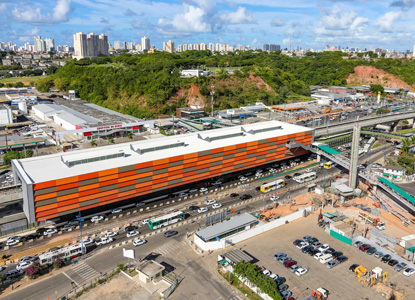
(93, 143)
(44, 84)
(9, 156)
(375, 88)
(19, 84)
(382, 110)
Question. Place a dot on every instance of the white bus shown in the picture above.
(65, 253)
(166, 220)
(279, 183)
(306, 177)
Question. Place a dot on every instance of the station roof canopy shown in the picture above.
(398, 190)
(328, 149)
(53, 167)
(219, 229)
(236, 255)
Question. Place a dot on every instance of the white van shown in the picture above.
(326, 258)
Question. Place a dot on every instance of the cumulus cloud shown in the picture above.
(278, 22)
(240, 16)
(30, 14)
(385, 23)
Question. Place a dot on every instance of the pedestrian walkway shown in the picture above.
(85, 271)
(171, 246)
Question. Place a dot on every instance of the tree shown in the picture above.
(375, 88)
(19, 84)
(93, 143)
(9, 156)
(382, 110)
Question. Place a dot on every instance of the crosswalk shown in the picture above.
(85, 271)
(171, 246)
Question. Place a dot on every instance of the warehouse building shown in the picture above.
(59, 185)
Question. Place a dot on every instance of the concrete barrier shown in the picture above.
(110, 247)
(60, 232)
(29, 241)
(141, 209)
(114, 217)
(161, 204)
(147, 208)
(128, 213)
(85, 225)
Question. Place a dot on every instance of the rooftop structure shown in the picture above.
(236, 255)
(81, 180)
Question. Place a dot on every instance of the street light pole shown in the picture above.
(212, 93)
(80, 219)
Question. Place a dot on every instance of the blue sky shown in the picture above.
(309, 23)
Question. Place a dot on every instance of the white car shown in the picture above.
(50, 231)
(243, 179)
(408, 272)
(24, 265)
(133, 233)
(323, 247)
(103, 241)
(14, 238)
(309, 170)
(318, 255)
(217, 183)
(209, 202)
(216, 205)
(274, 198)
(266, 272)
(202, 210)
(28, 258)
(88, 241)
(203, 190)
(111, 233)
(116, 210)
(273, 276)
(145, 221)
(301, 271)
(97, 218)
(12, 242)
(183, 195)
(139, 242)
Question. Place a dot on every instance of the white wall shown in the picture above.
(40, 114)
(63, 123)
(248, 233)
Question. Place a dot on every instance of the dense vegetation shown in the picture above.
(149, 84)
(16, 155)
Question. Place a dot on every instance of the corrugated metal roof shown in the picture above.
(236, 255)
(225, 227)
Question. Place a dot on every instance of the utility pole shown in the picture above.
(212, 93)
(354, 156)
(80, 219)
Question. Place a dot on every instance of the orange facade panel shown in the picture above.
(190, 155)
(47, 213)
(67, 186)
(88, 192)
(47, 217)
(162, 166)
(44, 185)
(68, 207)
(67, 197)
(161, 162)
(108, 172)
(176, 158)
(45, 196)
(217, 150)
(46, 207)
(67, 180)
(88, 187)
(125, 174)
(144, 165)
(175, 168)
(88, 176)
(67, 203)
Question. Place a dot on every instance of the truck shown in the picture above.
(372, 220)
(318, 294)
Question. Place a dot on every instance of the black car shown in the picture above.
(393, 262)
(280, 280)
(193, 207)
(29, 237)
(306, 249)
(234, 195)
(258, 188)
(170, 233)
(296, 242)
(342, 259)
(41, 231)
(337, 254)
(297, 174)
(329, 251)
(287, 177)
(371, 250)
(312, 240)
(130, 228)
(313, 252)
(282, 288)
(386, 258)
(353, 267)
(245, 197)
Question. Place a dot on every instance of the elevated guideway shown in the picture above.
(403, 198)
(364, 122)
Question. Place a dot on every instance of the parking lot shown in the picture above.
(339, 281)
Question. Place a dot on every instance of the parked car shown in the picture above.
(280, 280)
(393, 262)
(379, 254)
(210, 202)
(140, 204)
(279, 255)
(358, 244)
(408, 272)
(294, 268)
(40, 231)
(97, 218)
(282, 288)
(266, 272)
(324, 247)
(183, 195)
(12, 242)
(307, 248)
(283, 259)
(386, 258)
(133, 233)
(302, 245)
(111, 233)
(12, 274)
(313, 252)
(307, 238)
(145, 221)
(139, 242)
(290, 263)
(296, 242)
(242, 179)
(104, 240)
(203, 190)
(50, 231)
(273, 276)
(234, 195)
(216, 205)
(193, 208)
(364, 247)
(202, 210)
(29, 258)
(312, 240)
(317, 245)
(68, 227)
(286, 295)
(29, 237)
(353, 267)
(88, 241)
(371, 250)
(116, 210)
(329, 251)
(331, 264)
(301, 271)
(24, 265)
(130, 228)
(341, 259)
(337, 254)
(170, 233)
(318, 255)
(245, 197)
(288, 177)
(274, 198)
(400, 267)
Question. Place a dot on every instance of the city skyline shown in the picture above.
(309, 24)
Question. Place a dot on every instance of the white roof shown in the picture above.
(53, 109)
(52, 167)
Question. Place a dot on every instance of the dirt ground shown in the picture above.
(120, 288)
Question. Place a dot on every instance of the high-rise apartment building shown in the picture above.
(265, 47)
(189, 46)
(211, 47)
(168, 46)
(117, 45)
(90, 45)
(145, 43)
(202, 46)
(49, 44)
(218, 47)
(39, 44)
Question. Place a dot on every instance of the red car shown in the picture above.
(290, 263)
(364, 247)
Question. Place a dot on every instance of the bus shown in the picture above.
(63, 254)
(166, 220)
(266, 187)
(306, 177)
(329, 165)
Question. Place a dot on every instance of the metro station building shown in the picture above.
(62, 184)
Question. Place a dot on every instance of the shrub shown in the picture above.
(33, 271)
(58, 264)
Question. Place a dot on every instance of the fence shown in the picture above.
(90, 283)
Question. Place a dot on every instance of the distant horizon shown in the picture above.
(307, 23)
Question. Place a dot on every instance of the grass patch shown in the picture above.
(376, 146)
(130, 273)
(21, 79)
(240, 286)
(409, 130)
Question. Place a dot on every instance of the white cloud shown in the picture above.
(385, 23)
(240, 16)
(30, 14)
(278, 22)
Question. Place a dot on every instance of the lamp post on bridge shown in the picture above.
(80, 219)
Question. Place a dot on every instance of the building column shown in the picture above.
(354, 156)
